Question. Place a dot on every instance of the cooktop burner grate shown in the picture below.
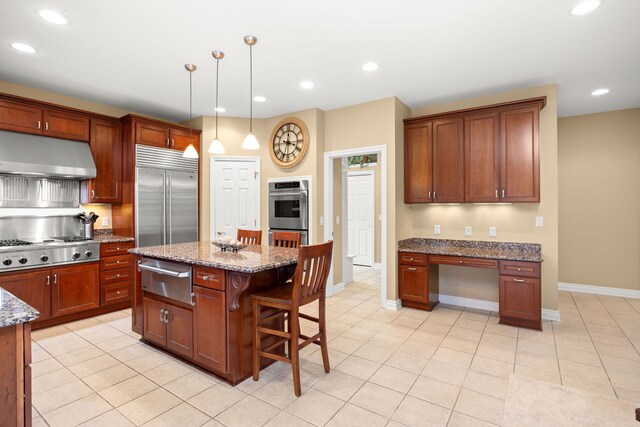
(14, 242)
(70, 238)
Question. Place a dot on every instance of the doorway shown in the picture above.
(360, 217)
(235, 195)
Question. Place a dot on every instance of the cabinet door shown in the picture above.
(413, 283)
(210, 328)
(137, 312)
(481, 157)
(180, 139)
(106, 147)
(448, 161)
(152, 134)
(180, 330)
(520, 298)
(418, 164)
(155, 330)
(74, 289)
(18, 117)
(31, 287)
(519, 163)
(58, 124)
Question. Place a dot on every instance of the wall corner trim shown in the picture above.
(338, 287)
(599, 290)
(393, 304)
(551, 315)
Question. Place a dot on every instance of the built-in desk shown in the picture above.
(518, 265)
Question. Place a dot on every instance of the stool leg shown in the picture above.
(323, 335)
(256, 341)
(295, 356)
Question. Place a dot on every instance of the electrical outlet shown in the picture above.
(492, 232)
(337, 220)
(321, 220)
(436, 229)
(539, 221)
(105, 221)
(468, 231)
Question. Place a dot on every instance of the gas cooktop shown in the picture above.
(18, 254)
(14, 242)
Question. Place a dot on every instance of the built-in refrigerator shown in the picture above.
(166, 197)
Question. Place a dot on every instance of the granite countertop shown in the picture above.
(252, 259)
(14, 311)
(474, 248)
(110, 238)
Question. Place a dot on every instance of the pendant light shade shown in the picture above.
(250, 142)
(190, 152)
(216, 146)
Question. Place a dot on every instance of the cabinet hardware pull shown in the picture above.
(117, 249)
(503, 194)
(93, 194)
(48, 280)
(139, 265)
(496, 193)
(205, 277)
(193, 295)
(460, 262)
(168, 142)
(118, 293)
(518, 268)
(46, 125)
(518, 280)
(412, 269)
(410, 259)
(166, 316)
(429, 194)
(434, 195)
(39, 124)
(173, 143)
(162, 315)
(55, 279)
(117, 262)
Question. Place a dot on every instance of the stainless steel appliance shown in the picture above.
(289, 207)
(169, 279)
(166, 197)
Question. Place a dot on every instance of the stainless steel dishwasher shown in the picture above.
(169, 279)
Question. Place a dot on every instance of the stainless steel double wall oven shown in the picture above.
(289, 207)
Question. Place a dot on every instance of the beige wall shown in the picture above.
(338, 250)
(514, 222)
(599, 188)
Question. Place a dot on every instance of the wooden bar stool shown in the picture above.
(285, 239)
(250, 237)
(308, 285)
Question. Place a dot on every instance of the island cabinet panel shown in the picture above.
(418, 171)
(482, 157)
(210, 328)
(15, 375)
(75, 289)
(179, 323)
(448, 161)
(136, 298)
(106, 148)
(155, 330)
(32, 287)
(213, 278)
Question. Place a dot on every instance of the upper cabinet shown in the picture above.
(159, 134)
(28, 118)
(481, 155)
(106, 147)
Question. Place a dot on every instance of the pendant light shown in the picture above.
(190, 152)
(250, 142)
(216, 146)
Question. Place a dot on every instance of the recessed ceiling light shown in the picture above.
(259, 98)
(23, 47)
(370, 66)
(599, 92)
(220, 109)
(306, 84)
(52, 16)
(585, 7)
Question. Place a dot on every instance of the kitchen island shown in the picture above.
(212, 329)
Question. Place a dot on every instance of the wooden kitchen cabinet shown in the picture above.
(155, 330)
(116, 273)
(161, 135)
(74, 289)
(417, 281)
(168, 326)
(482, 157)
(210, 328)
(137, 312)
(180, 139)
(418, 170)
(106, 148)
(28, 117)
(32, 287)
(15, 375)
(520, 294)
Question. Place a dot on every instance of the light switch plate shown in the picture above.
(105, 220)
(436, 229)
(337, 220)
(492, 232)
(539, 221)
(468, 231)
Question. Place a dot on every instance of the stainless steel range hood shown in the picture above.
(32, 155)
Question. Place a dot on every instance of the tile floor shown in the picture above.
(448, 367)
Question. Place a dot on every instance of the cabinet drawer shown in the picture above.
(209, 277)
(113, 262)
(464, 261)
(520, 268)
(119, 275)
(110, 249)
(114, 293)
(412, 258)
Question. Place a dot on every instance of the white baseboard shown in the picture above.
(338, 287)
(600, 290)
(377, 265)
(393, 304)
(490, 305)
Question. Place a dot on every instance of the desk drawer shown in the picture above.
(110, 249)
(520, 268)
(463, 261)
(119, 275)
(114, 293)
(113, 262)
(412, 258)
(212, 278)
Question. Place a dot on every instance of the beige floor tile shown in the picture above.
(79, 356)
(82, 324)
(77, 412)
(358, 367)
(621, 352)
(249, 385)
(358, 333)
(417, 348)
(494, 351)
(99, 333)
(149, 406)
(91, 366)
(387, 341)
(193, 383)
(504, 330)
(315, 407)
(310, 373)
(345, 345)
(461, 420)
(52, 380)
(374, 353)
(127, 390)
(108, 377)
(435, 391)
(626, 381)
(445, 372)
(285, 419)
(465, 333)
(480, 406)
(491, 366)
(38, 354)
(381, 400)
(453, 357)
(622, 365)
(339, 385)
(575, 343)
(278, 392)
(578, 356)
(115, 315)
(117, 343)
(167, 372)
(148, 361)
(43, 334)
(471, 324)
(407, 362)
(131, 352)
(112, 418)
(456, 343)
(216, 399)
(416, 412)
(398, 331)
(335, 357)
(538, 374)
(183, 415)
(537, 361)
(45, 366)
(354, 416)
(249, 412)
(73, 344)
(628, 395)
(393, 378)
(592, 387)
(38, 422)
(47, 401)
(487, 384)
(534, 347)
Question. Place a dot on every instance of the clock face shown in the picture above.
(289, 142)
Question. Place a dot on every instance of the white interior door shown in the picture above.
(360, 190)
(235, 198)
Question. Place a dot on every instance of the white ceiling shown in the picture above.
(130, 53)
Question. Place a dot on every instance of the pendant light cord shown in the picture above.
(250, 89)
(190, 106)
(217, 65)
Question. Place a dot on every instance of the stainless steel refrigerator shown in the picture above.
(166, 197)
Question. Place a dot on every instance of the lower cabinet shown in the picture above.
(210, 328)
(74, 289)
(15, 375)
(32, 287)
(417, 281)
(520, 301)
(168, 325)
